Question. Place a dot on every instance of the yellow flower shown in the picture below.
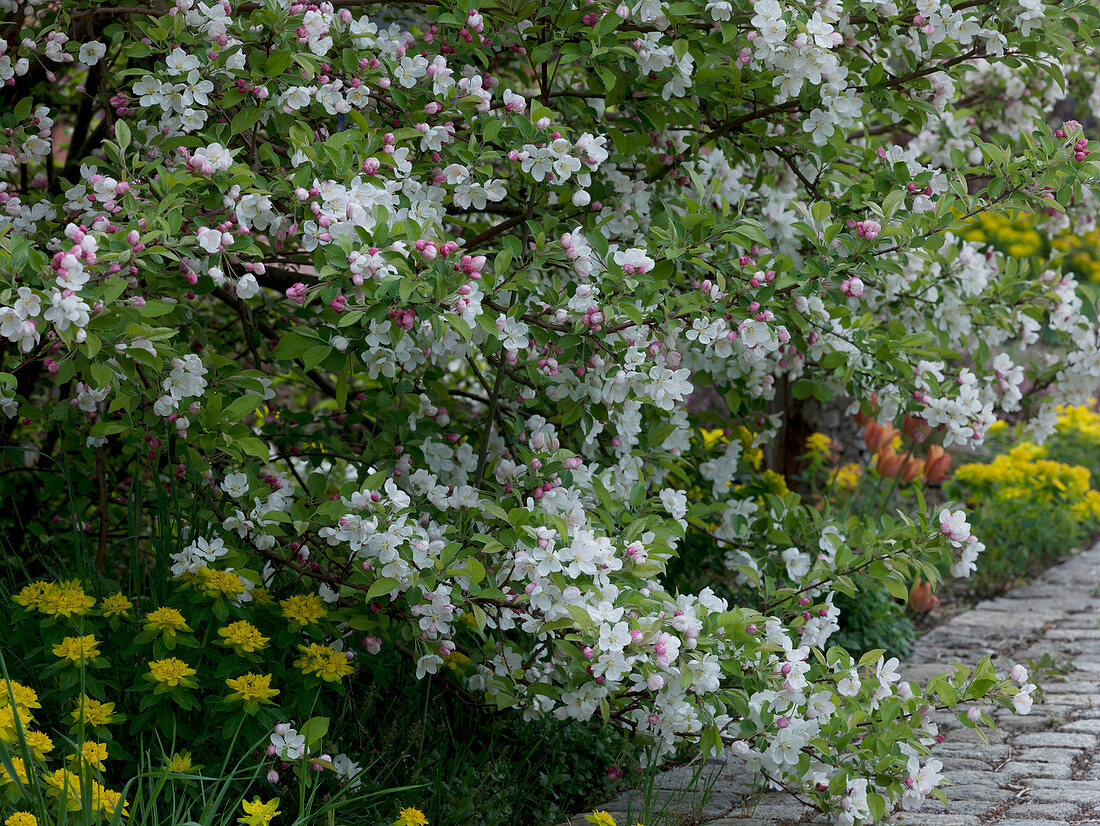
(32, 595)
(220, 584)
(847, 476)
(261, 596)
(456, 660)
(25, 697)
(67, 599)
(77, 649)
(108, 800)
(65, 784)
(115, 605)
(39, 743)
(9, 730)
(21, 819)
(1081, 420)
(181, 763)
(600, 818)
(411, 817)
(93, 754)
(243, 637)
(303, 609)
(257, 813)
(20, 772)
(1024, 474)
(171, 672)
(252, 689)
(327, 663)
(774, 482)
(711, 438)
(166, 621)
(819, 444)
(95, 712)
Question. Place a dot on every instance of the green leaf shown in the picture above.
(240, 407)
(314, 729)
(896, 588)
(382, 585)
(253, 447)
(802, 389)
(122, 134)
(277, 63)
(245, 119)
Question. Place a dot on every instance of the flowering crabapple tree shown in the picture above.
(404, 302)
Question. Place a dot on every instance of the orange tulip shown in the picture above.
(915, 429)
(889, 463)
(878, 436)
(913, 468)
(936, 465)
(921, 598)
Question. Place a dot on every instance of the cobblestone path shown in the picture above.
(1039, 770)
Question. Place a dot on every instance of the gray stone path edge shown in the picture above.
(1036, 770)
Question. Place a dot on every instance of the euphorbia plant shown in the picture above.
(406, 309)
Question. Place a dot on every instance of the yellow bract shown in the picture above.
(819, 444)
(411, 817)
(25, 697)
(243, 637)
(166, 621)
(219, 584)
(252, 688)
(66, 599)
(303, 609)
(92, 754)
(181, 763)
(171, 671)
(115, 605)
(847, 476)
(258, 813)
(9, 726)
(20, 772)
(93, 712)
(327, 663)
(39, 743)
(77, 649)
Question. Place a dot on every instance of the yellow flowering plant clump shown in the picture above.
(214, 641)
(115, 608)
(93, 715)
(1024, 473)
(82, 651)
(80, 787)
(1014, 234)
(244, 638)
(181, 762)
(410, 816)
(1022, 235)
(1033, 502)
(257, 812)
(323, 661)
(601, 818)
(303, 610)
(166, 623)
(252, 690)
(56, 600)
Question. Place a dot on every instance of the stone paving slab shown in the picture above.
(1039, 770)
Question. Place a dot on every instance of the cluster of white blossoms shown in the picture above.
(436, 304)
